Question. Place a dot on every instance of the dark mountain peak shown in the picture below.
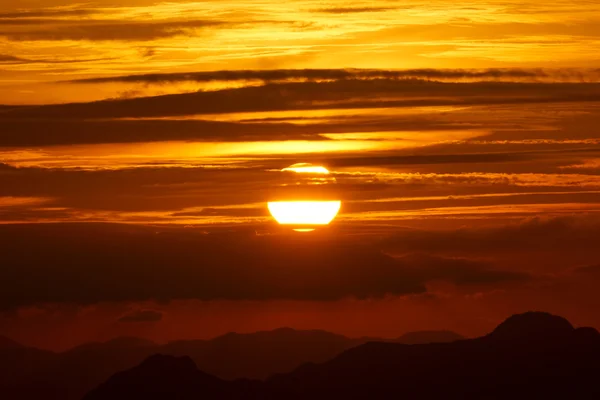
(7, 343)
(307, 333)
(129, 341)
(422, 337)
(171, 364)
(162, 377)
(532, 325)
(284, 333)
(284, 329)
(587, 334)
(118, 343)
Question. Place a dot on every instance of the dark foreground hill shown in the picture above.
(28, 373)
(529, 356)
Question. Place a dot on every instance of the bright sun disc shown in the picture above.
(304, 212)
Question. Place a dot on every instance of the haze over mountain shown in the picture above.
(26, 373)
(7, 343)
(532, 355)
(421, 337)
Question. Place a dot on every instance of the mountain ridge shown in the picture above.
(27, 373)
(531, 355)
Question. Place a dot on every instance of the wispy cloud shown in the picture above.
(349, 10)
(104, 30)
(494, 74)
(347, 94)
(245, 35)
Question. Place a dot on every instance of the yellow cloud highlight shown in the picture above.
(307, 169)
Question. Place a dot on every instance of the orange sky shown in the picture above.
(436, 118)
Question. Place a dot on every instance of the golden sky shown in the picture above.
(53, 40)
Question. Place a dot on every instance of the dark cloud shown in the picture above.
(457, 156)
(8, 59)
(349, 10)
(85, 263)
(589, 270)
(44, 133)
(48, 13)
(142, 316)
(459, 271)
(347, 94)
(89, 263)
(339, 74)
(387, 160)
(138, 189)
(32, 214)
(233, 211)
(106, 30)
(574, 237)
(19, 22)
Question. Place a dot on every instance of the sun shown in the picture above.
(304, 212)
(305, 200)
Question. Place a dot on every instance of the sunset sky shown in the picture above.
(140, 139)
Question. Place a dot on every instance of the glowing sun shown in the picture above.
(304, 201)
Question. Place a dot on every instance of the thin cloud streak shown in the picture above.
(321, 96)
(494, 74)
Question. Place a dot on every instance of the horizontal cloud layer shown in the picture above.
(345, 94)
(337, 74)
(91, 263)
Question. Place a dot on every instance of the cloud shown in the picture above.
(90, 263)
(229, 211)
(105, 30)
(9, 59)
(149, 188)
(547, 235)
(141, 316)
(559, 75)
(459, 271)
(23, 133)
(589, 271)
(48, 13)
(346, 94)
(387, 160)
(350, 10)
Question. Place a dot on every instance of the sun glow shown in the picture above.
(305, 199)
(307, 169)
(304, 212)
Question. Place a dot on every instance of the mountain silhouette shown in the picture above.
(27, 373)
(528, 356)
(261, 354)
(533, 325)
(7, 343)
(422, 337)
(162, 376)
(20, 368)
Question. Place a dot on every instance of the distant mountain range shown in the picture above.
(529, 356)
(29, 373)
